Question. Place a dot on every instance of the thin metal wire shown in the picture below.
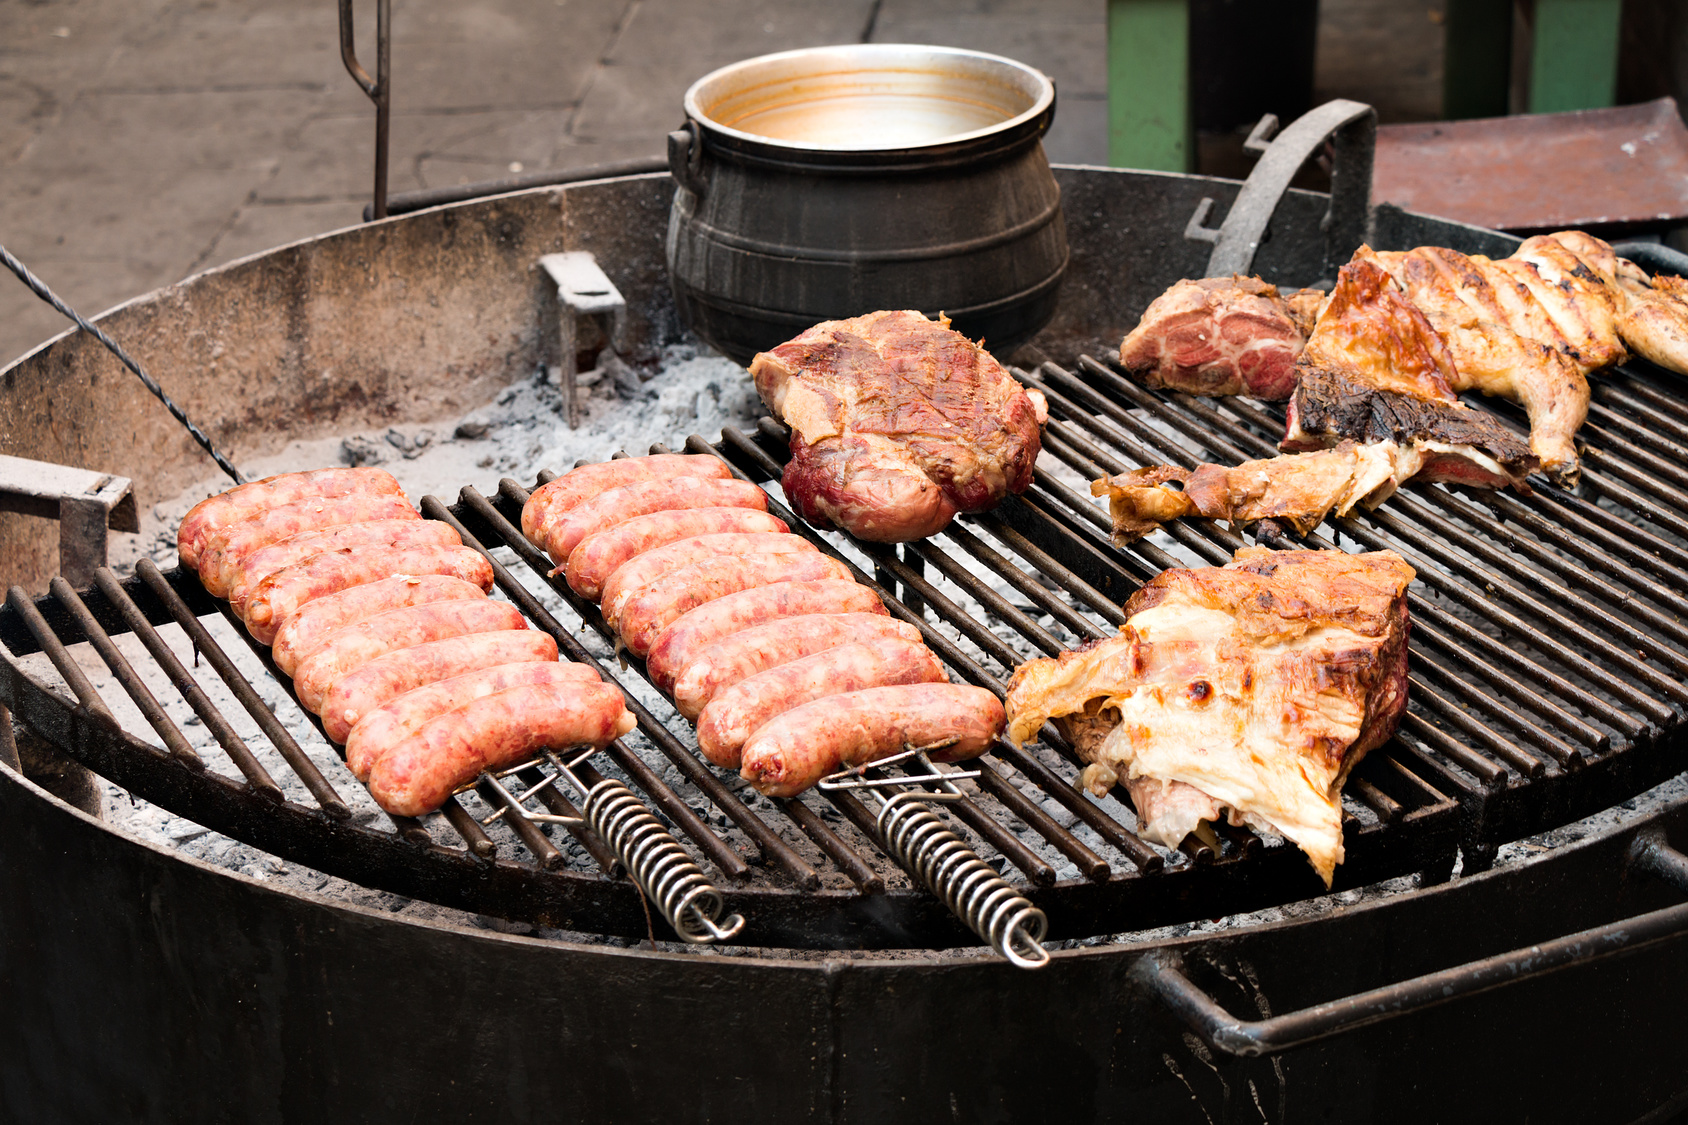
(39, 288)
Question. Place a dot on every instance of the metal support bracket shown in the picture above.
(1353, 125)
(582, 290)
(86, 503)
(1160, 973)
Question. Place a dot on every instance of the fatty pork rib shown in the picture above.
(897, 423)
(1251, 689)
(1222, 336)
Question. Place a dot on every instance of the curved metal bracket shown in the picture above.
(378, 88)
(1354, 128)
(1160, 973)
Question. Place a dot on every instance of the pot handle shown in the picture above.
(1160, 974)
(1354, 127)
(685, 157)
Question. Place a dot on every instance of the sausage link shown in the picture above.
(598, 555)
(736, 714)
(390, 534)
(744, 654)
(682, 641)
(312, 623)
(618, 505)
(385, 678)
(228, 547)
(250, 499)
(793, 751)
(394, 721)
(649, 611)
(275, 599)
(420, 772)
(550, 502)
(655, 566)
(356, 645)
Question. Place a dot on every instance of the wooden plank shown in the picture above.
(1574, 55)
(1149, 85)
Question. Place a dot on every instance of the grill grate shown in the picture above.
(1547, 680)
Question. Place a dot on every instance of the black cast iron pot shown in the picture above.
(827, 183)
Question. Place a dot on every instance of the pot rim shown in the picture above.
(851, 55)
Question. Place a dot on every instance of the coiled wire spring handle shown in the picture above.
(913, 834)
(655, 861)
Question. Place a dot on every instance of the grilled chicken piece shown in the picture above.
(1301, 489)
(1250, 690)
(1454, 442)
(1372, 333)
(1222, 336)
(1526, 328)
(897, 423)
(1654, 320)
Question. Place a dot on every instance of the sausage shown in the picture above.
(654, 566)
(385, 678)
(736, 657)
(275, 599)
(227, 547)
(618, 505)
(547, 503)
(390, 723)
(737, 713)
(356, 645)
(417, 774)
(313, 622)
(257, 496)
(682, 641)
(596, 557)
(374, 533)
(649, 611)
(793, 751)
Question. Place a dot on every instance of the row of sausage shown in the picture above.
(789, 667)
(382, 620)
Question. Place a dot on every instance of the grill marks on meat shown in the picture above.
(1453, 442)
(1250, 690)
(1371, 331)
(1222, 336)
(897, 423)
(1654, 320)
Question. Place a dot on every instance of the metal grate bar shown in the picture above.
(56, 652)
(121, 669)
(233, 745)
(1635, 543)
(202, 642)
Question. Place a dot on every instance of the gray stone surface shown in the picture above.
(144, 140)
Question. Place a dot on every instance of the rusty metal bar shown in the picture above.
(124, 673)
(290, 751)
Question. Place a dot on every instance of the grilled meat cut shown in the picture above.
(1300, 489)
(1222, 336)
(1455, 443)
(1372, 333)
(1654, 320)
(1248, 691)
(897, 423)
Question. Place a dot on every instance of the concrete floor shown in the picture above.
(144, 140)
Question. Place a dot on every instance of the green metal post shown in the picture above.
(1574, 59)
(1149, 85)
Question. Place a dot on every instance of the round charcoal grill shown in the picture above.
(1549, 672)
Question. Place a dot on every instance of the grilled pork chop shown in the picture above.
(1250, 690)
(897, 423)
(1222, 336)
